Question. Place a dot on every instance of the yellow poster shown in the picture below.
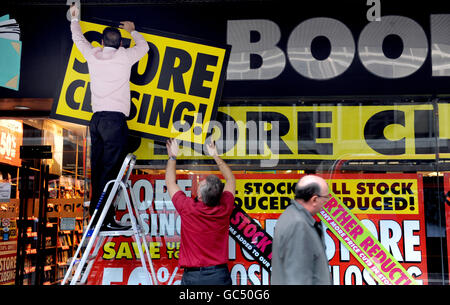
(175, 88)
(375, 194)
(337, 133)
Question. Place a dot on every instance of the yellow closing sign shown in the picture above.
(175, 88)
(329, 132)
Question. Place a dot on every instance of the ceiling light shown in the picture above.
(21, 107)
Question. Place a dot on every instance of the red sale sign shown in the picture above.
(389, 205)
(11, 132)
(118, 261)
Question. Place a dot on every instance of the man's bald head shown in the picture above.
(312, 192)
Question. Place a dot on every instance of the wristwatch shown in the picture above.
(172, 158)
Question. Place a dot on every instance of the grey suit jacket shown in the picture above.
(298, 252)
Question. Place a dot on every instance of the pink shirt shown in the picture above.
(204, 230)
(109, 70)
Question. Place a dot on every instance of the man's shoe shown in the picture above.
(114, 226)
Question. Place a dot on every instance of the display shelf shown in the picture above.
(57, 246)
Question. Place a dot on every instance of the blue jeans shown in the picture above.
(214, 275)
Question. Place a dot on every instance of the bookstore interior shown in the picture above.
(41, 199)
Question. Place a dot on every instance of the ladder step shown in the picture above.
(77, 261)
(85, 270)
(117, 233)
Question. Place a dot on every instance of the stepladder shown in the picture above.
(93, 238)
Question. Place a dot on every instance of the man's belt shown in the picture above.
(222, 266)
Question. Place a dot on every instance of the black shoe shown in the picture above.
(114, 226)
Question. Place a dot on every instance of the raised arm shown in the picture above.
(230, 180)
(77, 35)
(141, 48)
(171, 175)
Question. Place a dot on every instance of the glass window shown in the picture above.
(39, 194)
(387, 161)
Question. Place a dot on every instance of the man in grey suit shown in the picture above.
(298, 251)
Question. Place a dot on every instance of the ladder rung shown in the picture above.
(117, 233)
(77, 261)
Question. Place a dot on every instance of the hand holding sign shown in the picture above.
(212, 149)
(127, 26)
(74, 12)
(172, 148)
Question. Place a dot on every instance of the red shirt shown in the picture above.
(204, 230)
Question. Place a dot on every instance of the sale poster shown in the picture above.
(390, 206)
(9, 212)
(11, 132)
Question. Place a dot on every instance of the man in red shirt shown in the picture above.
(205, 222)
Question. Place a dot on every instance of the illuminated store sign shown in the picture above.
(369, 48)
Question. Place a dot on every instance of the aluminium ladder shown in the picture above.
(121, 186)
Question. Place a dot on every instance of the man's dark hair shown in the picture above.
(212, 191)
(305, 192)
(111, 37)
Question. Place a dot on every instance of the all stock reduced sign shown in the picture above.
(175, 88)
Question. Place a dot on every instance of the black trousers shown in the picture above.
(214, 275)
(109, 136)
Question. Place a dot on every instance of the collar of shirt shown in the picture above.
(109, 49)
(309, 217)
(317, 225)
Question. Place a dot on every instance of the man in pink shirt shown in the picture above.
(109, 71)
(205, 222)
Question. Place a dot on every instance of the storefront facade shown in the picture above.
(320, 89)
